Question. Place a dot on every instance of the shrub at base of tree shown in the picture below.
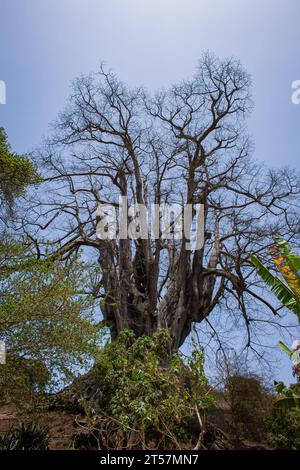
(144, 395)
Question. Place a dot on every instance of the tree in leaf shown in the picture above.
(47, 320)
(16, 172)
(46, 307)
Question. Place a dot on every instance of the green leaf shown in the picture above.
(287, 403)
(279, 288)
(285, 348)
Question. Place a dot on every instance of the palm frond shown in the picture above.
(279, 288)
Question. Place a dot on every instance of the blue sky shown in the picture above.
(45, 44)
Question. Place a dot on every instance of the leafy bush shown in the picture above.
(283, 427)
(26, 437)
(283, 424)
(146, 389)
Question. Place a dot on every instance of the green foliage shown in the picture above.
(283, 428)
(20, 377)
(288, 292)
(285, 348)
(16, 172)
(146, 386)
(282, 291)
(26, 437)
(288, 263)
(46, 321)
(290, 396)
(283, 424)
(287, 252)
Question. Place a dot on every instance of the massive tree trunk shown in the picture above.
(132, 288)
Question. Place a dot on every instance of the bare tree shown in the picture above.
(187, 144)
